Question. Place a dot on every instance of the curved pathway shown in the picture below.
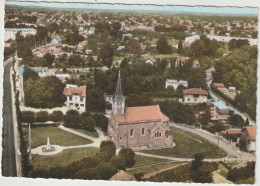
(95, 142)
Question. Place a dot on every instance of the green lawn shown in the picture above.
(92, 134)
(62, 159)
(57, 137)
(171, 42)
(188, 144)
(161, 56)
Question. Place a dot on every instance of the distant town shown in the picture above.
(110, 95)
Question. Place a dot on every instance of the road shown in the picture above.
(215, 97)
(8, 156)
(231, 151)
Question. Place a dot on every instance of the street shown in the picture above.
(217, 98)
(8, 156)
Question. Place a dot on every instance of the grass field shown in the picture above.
(171, 42)
(92, 134)
(187, 145)
(149, 165)
(57, 137)
(62, 159)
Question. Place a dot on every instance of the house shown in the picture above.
(122, 176)
(175, 83)
(143, 47)
(196, 64)
(181, 61)
(75, 97)
(142, 127)
(129, 36)
(150, 61)
(219, 86)
(234, 132)
(249, 134)
(91, 30)
(81, 46)
(219, 112)
(120, 48)
(195, 96)
(63, 77)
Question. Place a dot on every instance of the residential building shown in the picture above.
(10, 33)
(219, 85)
(120, 48)
(142, 127)
(234, 132)
(91, 30)
(196, 64)
(150, 61)
(249, 134)
(181, 61)
(75, 97)
(63, 77)
(175, 83)
(219, 112)
(195, 96)
(129, 36)
(189, 40)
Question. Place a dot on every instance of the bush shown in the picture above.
(101, 121)
(118, 162)
(42, 116)
(28, 117)
(106, 170)
(56, 116)
(129, 156)
(87, 174)
(242, 173)
(108, 147)
(197, 162)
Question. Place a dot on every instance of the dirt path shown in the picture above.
(218, 179)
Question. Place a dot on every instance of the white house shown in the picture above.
(150, 61)
(195, 96)
(10, 33)
(91, 30)
(63, 77)
(175, 83)
(75, 97)
(189, 40)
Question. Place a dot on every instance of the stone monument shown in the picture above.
(48, 147)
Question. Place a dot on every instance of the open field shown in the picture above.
(188, 144)
(92, 134)
(62, 159)
(149, 165)
(57, 137)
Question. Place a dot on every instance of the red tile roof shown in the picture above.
(75, 90)
(143, 47)
(195, 91)
(251, 131)
(183, 59)
(142, 114)
(196, 62)
(234, 131)
(153, 60)
(219, 85)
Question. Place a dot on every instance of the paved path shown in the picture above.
(95, 142)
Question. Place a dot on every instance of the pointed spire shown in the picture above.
(118, 94)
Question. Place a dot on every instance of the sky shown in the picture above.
(199, 9)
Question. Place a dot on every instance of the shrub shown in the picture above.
(129, 156)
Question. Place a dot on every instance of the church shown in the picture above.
(142, 127)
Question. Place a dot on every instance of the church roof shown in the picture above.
(118, 94)
(142, 114)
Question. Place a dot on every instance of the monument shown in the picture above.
(48, 147)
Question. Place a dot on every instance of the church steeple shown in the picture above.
(118, 101)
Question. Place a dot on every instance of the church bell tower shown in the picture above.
(118, 100)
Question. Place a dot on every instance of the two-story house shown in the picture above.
(195, 96)
(75, 97)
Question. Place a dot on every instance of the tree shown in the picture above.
(96, 101)
(106, 170)
(29, 74)
(201, 176)
(197, 162)
(56, 116)
(237, 43)
(88, 123)
(49, 59)
(243, 144)
(68, 118)
(118, 162)
(129, 156)
(42, 116)
(179, 47)
(28, 117)
(138, 100)
(236, 120)
(75, 61)
(87, 174)
(132, 46)
(108, 147)
(247, 122)
(106, 54)
(163, 46)
(101, 121)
